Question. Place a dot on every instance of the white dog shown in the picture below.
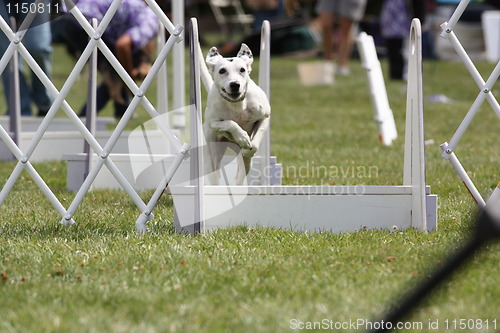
(237, 111)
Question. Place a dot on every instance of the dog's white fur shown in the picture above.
(237, 111)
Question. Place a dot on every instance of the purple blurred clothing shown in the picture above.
(395, 19)
(133, 17)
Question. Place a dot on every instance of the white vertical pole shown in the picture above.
(197, 137)
(91, 112)
(162, 83)
(414, 155)
(264, 151)
(15, 94)
(179, 98)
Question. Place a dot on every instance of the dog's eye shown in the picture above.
(222, 71)
(242, 70)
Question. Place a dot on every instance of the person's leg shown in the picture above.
(121, 108)
(327, 21)
(102, 98)
(38, 43)
(395, 57)
(345, 45)
(23, 88)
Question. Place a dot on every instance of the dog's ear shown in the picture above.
(213, 57)
(246, 54)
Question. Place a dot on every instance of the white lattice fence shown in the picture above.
(485, 94)
(95, 41)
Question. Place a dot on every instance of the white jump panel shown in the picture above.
(54, 145)
(305, 208)
(31, 124)
(142, 171)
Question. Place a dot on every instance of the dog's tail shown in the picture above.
(206, 78)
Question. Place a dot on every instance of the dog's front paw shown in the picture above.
(243, 141)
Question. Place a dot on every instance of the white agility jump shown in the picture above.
(315, 208)
(485, 94)
(24, 156)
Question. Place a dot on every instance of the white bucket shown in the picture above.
(316, 73)
(491, 31)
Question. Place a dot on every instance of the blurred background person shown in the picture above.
(130, 36)
(38, 42)
(395, 21)
(265, 10)
(345, 13)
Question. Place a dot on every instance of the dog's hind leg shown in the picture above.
(260, 129)
(213, 157)
(243, 170)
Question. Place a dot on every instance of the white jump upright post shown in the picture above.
(414, 160)
(264, 151)
(195, 213)
(197, 136)
(322, 208)
(485, 94)
(383, 113)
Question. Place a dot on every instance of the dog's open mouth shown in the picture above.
(232, 97)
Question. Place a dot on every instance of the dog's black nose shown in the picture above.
(235, 86)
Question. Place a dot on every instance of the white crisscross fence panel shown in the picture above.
(485, 94)
(95, 41)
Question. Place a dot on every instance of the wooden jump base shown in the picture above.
(316, 208)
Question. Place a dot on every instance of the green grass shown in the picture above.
(99, 275)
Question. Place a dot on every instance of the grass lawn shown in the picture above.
(99, 275)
